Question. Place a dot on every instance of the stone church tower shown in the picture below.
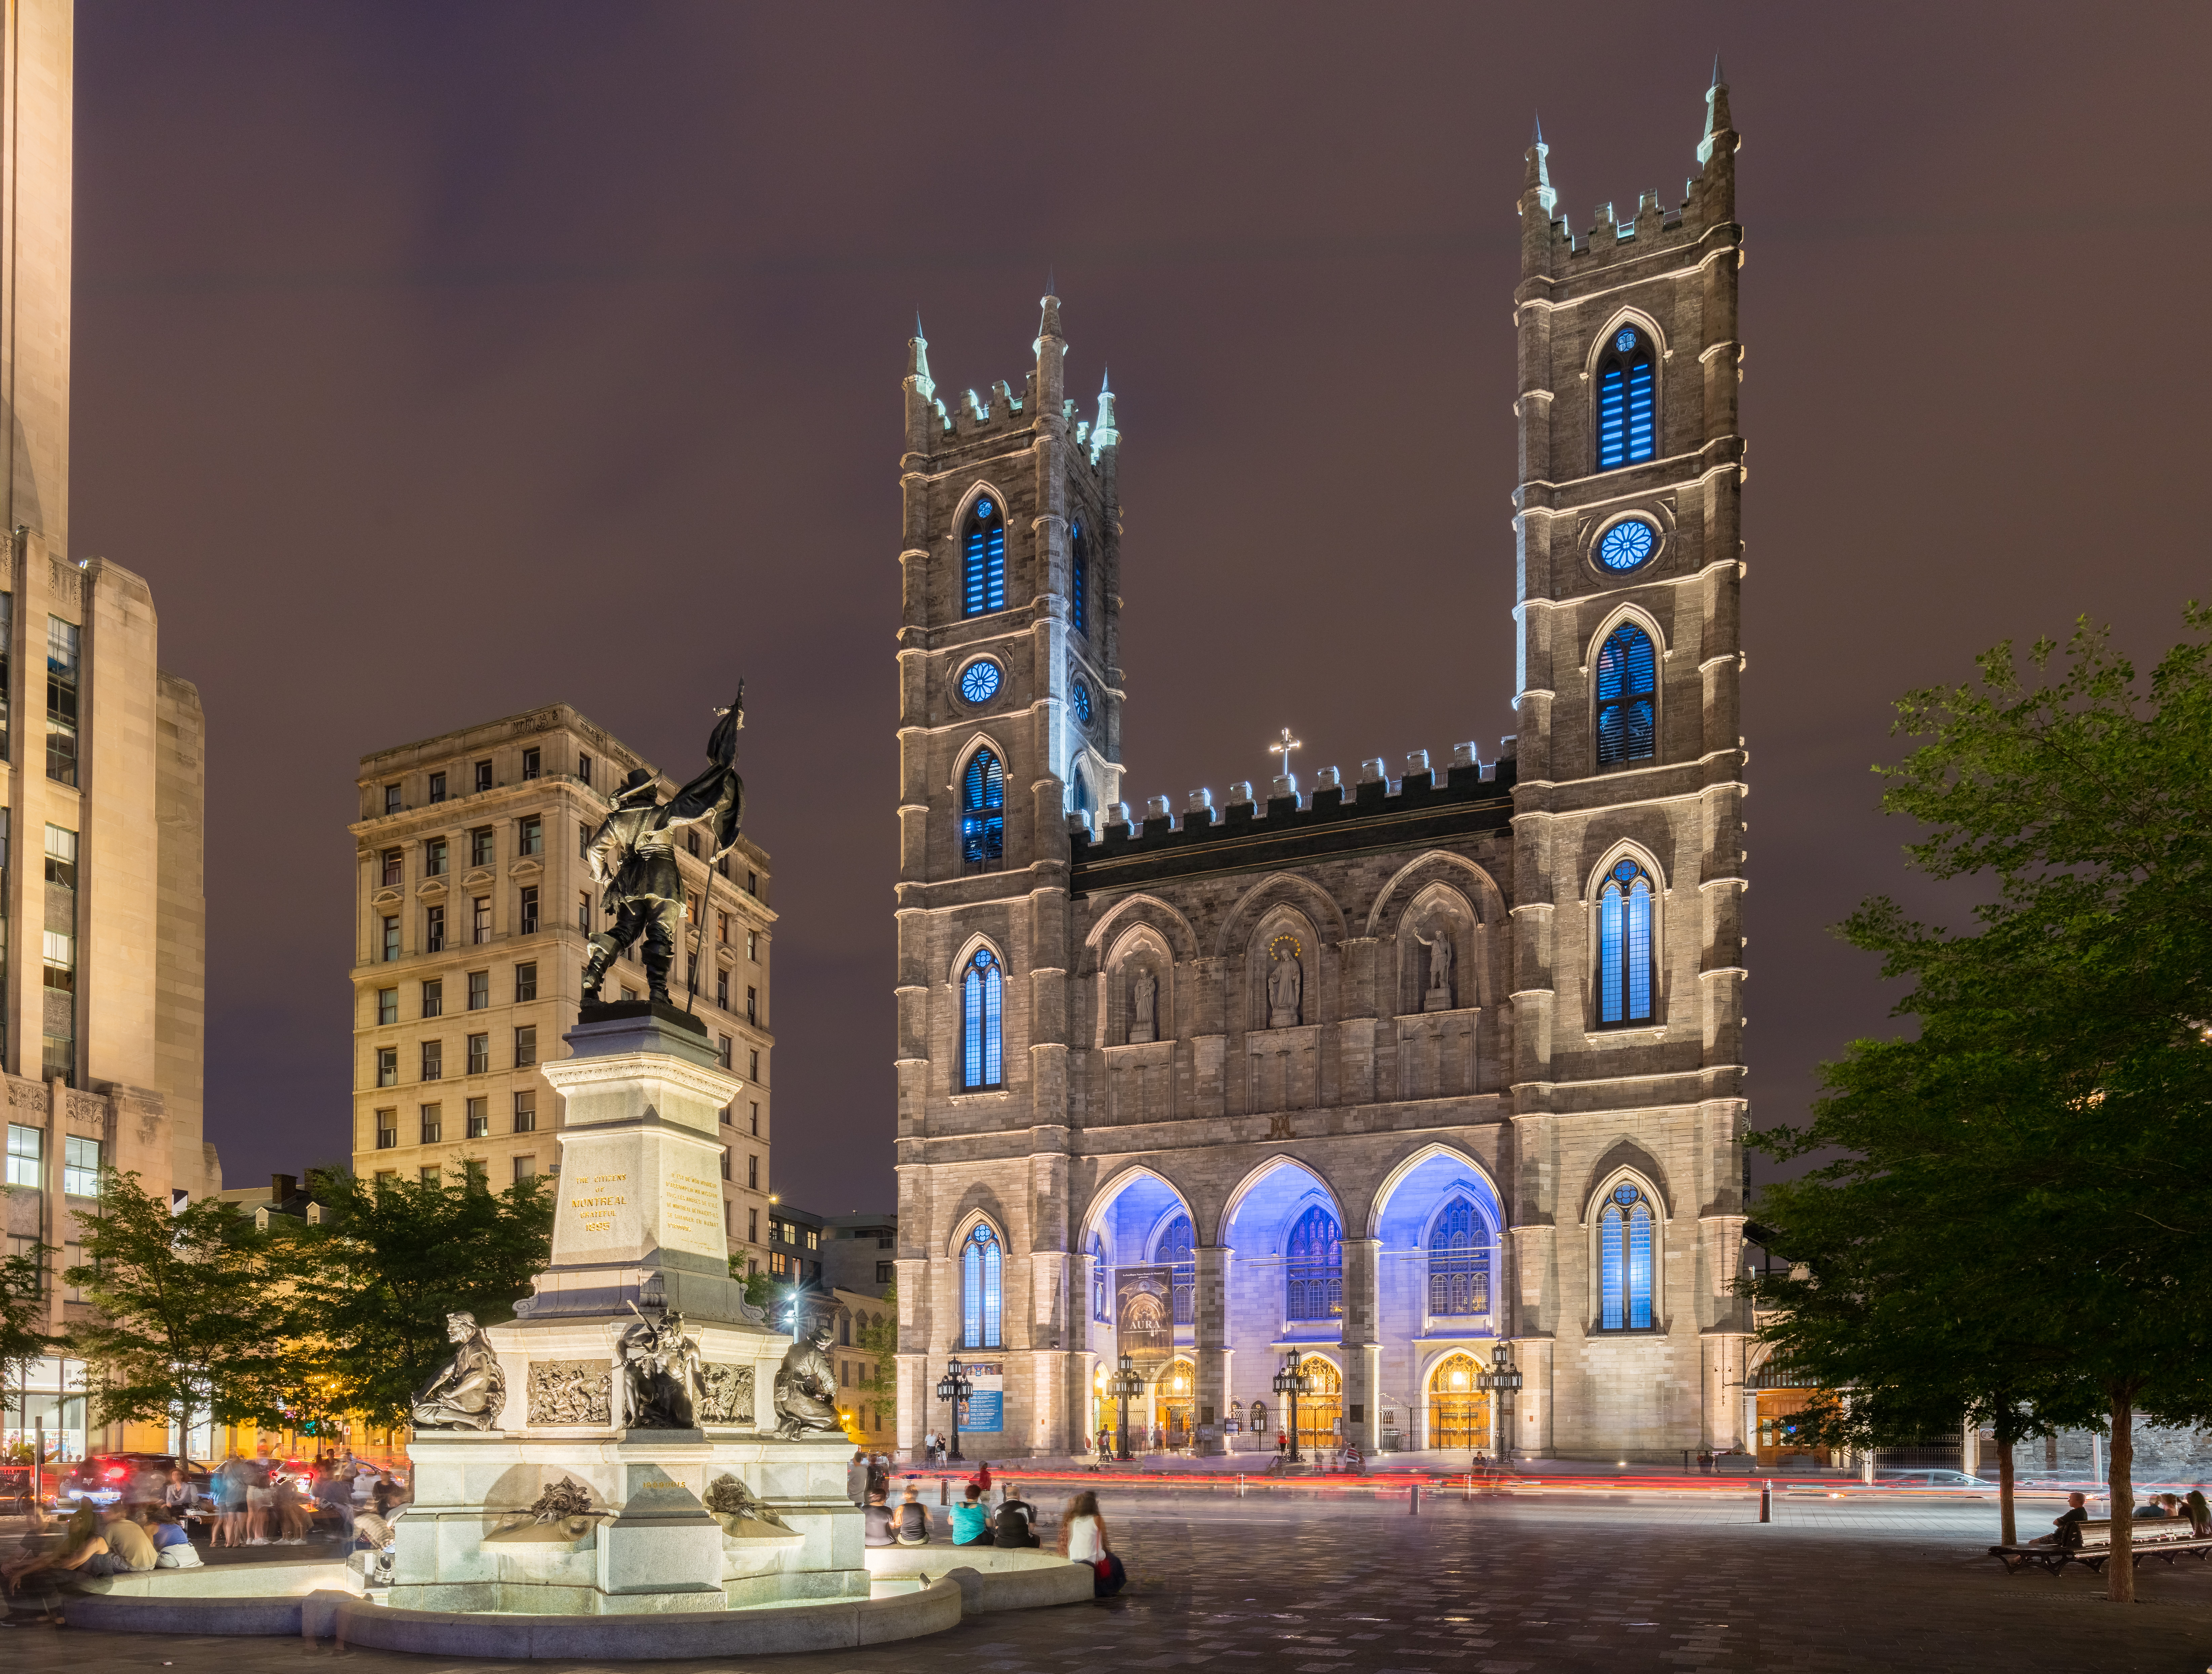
(1372, 1079)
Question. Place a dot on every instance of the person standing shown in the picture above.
(856, 1472)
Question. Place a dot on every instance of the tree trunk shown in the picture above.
(2008, 1531)
(2120, 1573)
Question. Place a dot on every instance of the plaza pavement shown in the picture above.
(1346, 1582)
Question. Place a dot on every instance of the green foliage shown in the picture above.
(23, 1334)
(760, 1288)
(881, 1340)
(374, 1282)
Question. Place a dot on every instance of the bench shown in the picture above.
(2165, 1537)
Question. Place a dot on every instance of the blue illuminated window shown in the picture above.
(979, 681)
(1078, 694)
(1627, 416)
(1624, 945)
(1624, 1238)
(1627, 689)
(1098, 1278)
(983, 1018)
(982, 1288)
(1080, 583)
(1459, 1262)
(1626, 545)
(982, 810)
(985, 551)
(1181, 1260)
(1313, 1268)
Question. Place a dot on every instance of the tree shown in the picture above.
(186, 1310)
(2009, 1226)
(879, 1338)
(375, 1280)
(23, 1335)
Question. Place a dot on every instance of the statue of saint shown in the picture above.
(1286, 987)
(470, 1392)
(632, 856)
(662, 1379)
(806, 1382)
(1439, 996)
(1144, 1008)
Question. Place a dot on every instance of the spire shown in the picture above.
(917, 362)
(1716, 113)
(1103, 433)
(1538, 177)
(1048, 323)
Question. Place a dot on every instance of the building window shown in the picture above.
(1624, 1239)
(393, 869)
(387, 1066)
(1313, 1268)
(483, 775)
(525, 1045)
(1624, 946)
(1627, 683)
(725, 1162)
(434, 1060)
(391, 937)
(392, 798)
(526, 981)
(752, 1173)
(480, 851)
(1099, 1309)
(434, 998)
(434, 857)
(1459, 1262)
(530, 839)
(437, 787)
(434, 1125)
(525, 1168)
(530, 912)
(584, 768)
(530, 759)
(983, 1009)
(722, 928)
(58, 1007)
(584, 910)
(752, 1226)
(985, 548)
(756, 1118)
(752, 1064)
(479, 991)
(526, 1111)
(387, 1130)
(434, 930)
(752, 1006)
(472, 1174)
(752, 946)
(752, 885)
(722, 994)
(1628, 428)
(884, 1272)
(79, 1166)
(1079, 581)
(724, 1050)
(26, 1157)
(480, 1054)
(431, 1176)
(387, 1006)
(479, 1118)
(480, 920)
(1175, 1250)
(61, 700)
(983, 811)
(982, 1270)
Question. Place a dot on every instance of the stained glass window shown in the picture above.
(983, 810)
(982, 1011)
(1627, 421)
(1624, 945)
(1624, 1236)
(1098, 1278)
(979, 681)
(1080, 582)
(983, 1273)
(1175, 1249)
(1459, 1262)
(986, 559)
(1080, 696)
(1313, 1268)
(1626, 545)
(1627, 688)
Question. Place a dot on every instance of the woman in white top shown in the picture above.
(1082, 1530)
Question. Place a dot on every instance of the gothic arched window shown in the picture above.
(983, 554)
(983, 811)
(1313, 1268)
(982, 1288)
(1175, 1250)
(1624, 1240)
(1098, 1308)
(1079, 588)
(1627, 689)
(1627, 414)
(1459, 1262)
(982, 1016)
(1624, 945)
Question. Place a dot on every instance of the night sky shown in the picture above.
(435, 362)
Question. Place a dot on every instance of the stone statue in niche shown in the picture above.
(470, 1391)
(1286, 981)
(1144, 1007)
(1438, 943)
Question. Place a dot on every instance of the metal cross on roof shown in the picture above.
(1288, 744)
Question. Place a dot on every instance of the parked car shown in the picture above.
(1932, 1479)
(104, 1478)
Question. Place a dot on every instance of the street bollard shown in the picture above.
(1766, 1502)
(1413, 1499)
(944, 1492)
(1467, 1494)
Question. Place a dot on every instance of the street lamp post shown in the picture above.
(1500, 1381)
(954, 1387)
(1292, 1382)
(1125, 1385)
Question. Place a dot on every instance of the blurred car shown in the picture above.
(104, 1478)
(1933, 1479)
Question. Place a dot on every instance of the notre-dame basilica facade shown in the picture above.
(1377, 1074)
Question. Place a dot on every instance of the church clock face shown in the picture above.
(1628, 545)
(1078, 694)
(979, 681)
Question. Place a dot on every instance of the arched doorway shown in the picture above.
(1178, 1396)
(1320, 1408)
(1459, 1413)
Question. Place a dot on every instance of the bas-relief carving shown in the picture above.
(571, 1392)
(726, 1397)
(26, 1094)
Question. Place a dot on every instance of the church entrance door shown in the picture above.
(1321, 1408)
(1178, 1397)
(1459, 1413)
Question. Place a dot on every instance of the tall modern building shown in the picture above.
(1367, 1079)
(103, 917)
(473, 900)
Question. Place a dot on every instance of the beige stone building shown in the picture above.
(473, 900)
(103, 917)
(1370, 1078)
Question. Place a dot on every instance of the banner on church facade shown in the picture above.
(1144, 1315)
(984, 1409)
